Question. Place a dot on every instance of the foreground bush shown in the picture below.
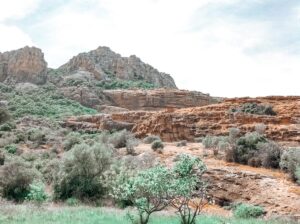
(290, 161)
(82, 173)
(246, 211)
(15, 180)
(37, 193)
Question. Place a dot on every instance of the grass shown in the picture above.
(25, 214)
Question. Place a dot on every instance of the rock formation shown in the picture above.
(24, 65)
(188, 123)
(105, 64)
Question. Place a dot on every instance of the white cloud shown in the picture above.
(13, 38)
(217, 59)
(16, 9)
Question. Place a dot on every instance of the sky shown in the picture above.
(228, 48)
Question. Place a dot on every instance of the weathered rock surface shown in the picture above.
(104, 64)
(188, 123)
(157, 99)
(24, 65)
(150, 100)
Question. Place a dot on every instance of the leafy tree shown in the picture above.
(189, 194)
(149, 191)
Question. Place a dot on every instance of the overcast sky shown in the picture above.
(222, 47)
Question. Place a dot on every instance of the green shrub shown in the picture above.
(72, 139)
(119, 139)
(151, 138)
(269, 154)
(72, 202)
(4, 115)
(12, 149)
(124, 84)
(82, 174)
(15, 180)
(8, 126)
(131, 143)
(44, 101)
(37, 135)
(248, 211)
(37, 193)
(157, 144)
(254, 108)
(246, 149)
(289, 161)
(50, 170)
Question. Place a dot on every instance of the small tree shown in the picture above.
(188, 188)
(148, 191)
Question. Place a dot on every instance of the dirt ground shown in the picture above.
(239, 183)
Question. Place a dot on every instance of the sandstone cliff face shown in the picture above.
(24, 65)
(157, 99)
(149, 100)
(104, 64)
(188, 123)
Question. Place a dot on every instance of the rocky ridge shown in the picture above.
(215, 119)
(24, 65)
(103, 63)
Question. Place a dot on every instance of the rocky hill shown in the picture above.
(105, 64)
(100, 79)
(23, 65)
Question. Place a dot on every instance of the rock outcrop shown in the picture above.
(215, 119)
(105, 64)
(149, 100)
(24, 65)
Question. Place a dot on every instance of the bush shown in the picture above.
(37, 193)
(130, 144)
(50, 170)
(8, 126)
(72, 202)
(289, 161)
(151, 138)
(44, 101)
(246, 211)
(4, 115)
(72, 139)
(37, 135)
(119, 139)
(246, 147)
(269, 154)
(15, 180)
(12, 149)
(254, 108)
(181, 143)
(82, 174)
(157, 144)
